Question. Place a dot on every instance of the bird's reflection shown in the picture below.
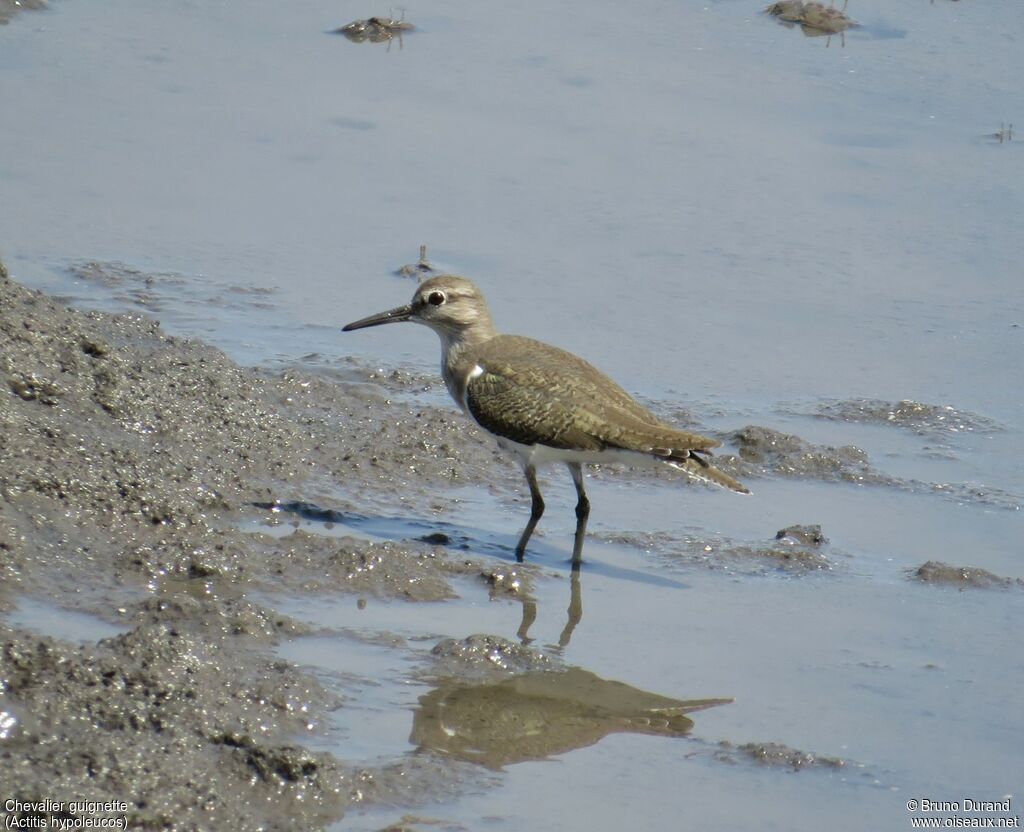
(574, 613)
(542, 713)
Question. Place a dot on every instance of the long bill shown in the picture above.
(392, 316)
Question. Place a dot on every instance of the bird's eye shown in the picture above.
(436, 298)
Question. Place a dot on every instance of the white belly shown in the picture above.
(538, 455)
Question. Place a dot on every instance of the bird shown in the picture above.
(542, 403)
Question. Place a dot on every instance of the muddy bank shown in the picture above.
(177, 725)
(128, 458)
(119, 428)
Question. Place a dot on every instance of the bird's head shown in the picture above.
(450, 305)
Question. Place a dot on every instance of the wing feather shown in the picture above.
(533, 393)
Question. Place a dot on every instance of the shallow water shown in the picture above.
(889, 677)
(48, 619)
(786, 222)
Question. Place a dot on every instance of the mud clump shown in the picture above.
(763, 451)
(489, 656)
(776, 755)
(374, 30)
(769, 451)
(507, 581)
(921, 418)
(9, 8)
(935, 572)
(814, 18)
(794, 550)
(801, 536)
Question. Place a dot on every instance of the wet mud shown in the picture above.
(794, 550)
(919, 417)
(308, 562)
(128, 461)
(9, 8)
(963, 577)
(374, 29)
(764, 451)
(154, 291)
(814, 18)
(178, 724)
(774, 754)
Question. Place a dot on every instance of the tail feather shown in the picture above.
(701, 469)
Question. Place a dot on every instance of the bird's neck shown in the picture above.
(458, 356)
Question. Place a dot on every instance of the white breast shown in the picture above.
(476, 372)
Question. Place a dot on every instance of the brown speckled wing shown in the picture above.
(533, 393)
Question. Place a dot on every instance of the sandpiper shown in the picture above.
(542, 403)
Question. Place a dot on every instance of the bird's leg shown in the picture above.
(582, 513)
(536, 510)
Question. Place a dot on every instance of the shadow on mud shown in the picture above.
(453, 536)
(479, 542)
